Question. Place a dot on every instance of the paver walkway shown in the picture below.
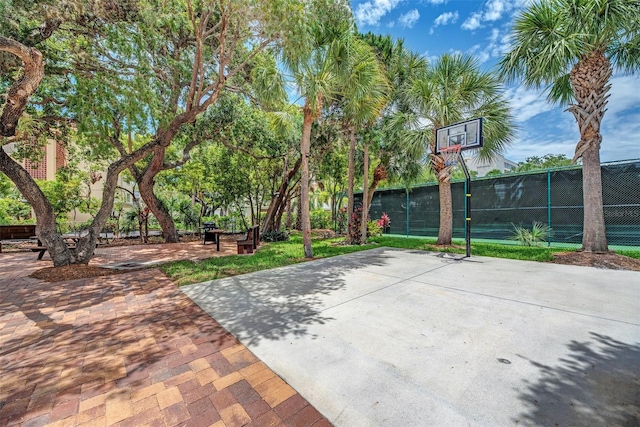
(128, 350)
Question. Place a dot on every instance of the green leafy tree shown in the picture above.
(545, 162)
(64, 193)
(144, 67)
(570, 48)
(452, 90)
(494, 172)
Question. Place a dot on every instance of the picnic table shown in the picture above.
(211, 234)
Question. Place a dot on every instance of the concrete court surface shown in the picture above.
(391, 337)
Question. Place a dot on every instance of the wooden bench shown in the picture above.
(251, 242)
(17, 232)
(42, 249)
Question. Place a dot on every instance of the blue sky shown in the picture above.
(481, 28)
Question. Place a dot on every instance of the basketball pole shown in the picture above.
(467, 204)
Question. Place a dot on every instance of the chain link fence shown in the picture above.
(552, 197)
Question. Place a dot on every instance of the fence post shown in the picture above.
(406, 190)
(549, 206)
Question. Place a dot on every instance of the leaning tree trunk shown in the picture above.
(305, 148)
(19, 92)
(16, 100)
(275, 207)
(155, 205)
(379, 174)
(590, 82)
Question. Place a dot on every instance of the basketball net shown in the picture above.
(450, 155)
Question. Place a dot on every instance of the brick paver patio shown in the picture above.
(128, 350)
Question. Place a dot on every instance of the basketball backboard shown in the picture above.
(468, 134)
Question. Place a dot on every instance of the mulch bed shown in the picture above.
(610, 260)
(72, 272)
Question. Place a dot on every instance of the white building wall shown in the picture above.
(483, 166)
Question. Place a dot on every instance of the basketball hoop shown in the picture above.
(450, 155)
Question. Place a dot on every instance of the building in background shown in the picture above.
(482, 167)
(53, 158)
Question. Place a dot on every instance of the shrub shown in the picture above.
(275, 236)
(320, 218)
(539, 233)
(373, 229)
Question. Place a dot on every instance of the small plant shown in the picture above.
(539, 233)
(374, 229)
(342, 220)
(275, 236)
(384, 222)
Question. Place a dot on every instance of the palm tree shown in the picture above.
(451, 91)
(396, 159)
(570, 47)
(316, 64)
(364, 94)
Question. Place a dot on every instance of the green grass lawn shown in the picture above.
(272, 255)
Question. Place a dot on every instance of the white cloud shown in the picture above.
(436, 1)
(372, 11)
(621, 123)
(409, 19)
(492, 11)
(481, 55)
(498, 44)
(624, 95)
(472, 22)
(495, 8)
(527, 103)
(547, 128)
(446, 18)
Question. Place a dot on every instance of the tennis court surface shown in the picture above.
(399, 337)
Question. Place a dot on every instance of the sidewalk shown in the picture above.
(129, 350)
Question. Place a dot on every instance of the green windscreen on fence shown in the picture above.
(552, 197)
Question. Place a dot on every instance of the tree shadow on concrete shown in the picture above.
(596, 384)
(281, 302)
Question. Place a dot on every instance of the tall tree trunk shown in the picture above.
(365, 197)
(590, 82)
(298, 223)
(594, 238)
(350, 180)
(305, 148)
(445, 233)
